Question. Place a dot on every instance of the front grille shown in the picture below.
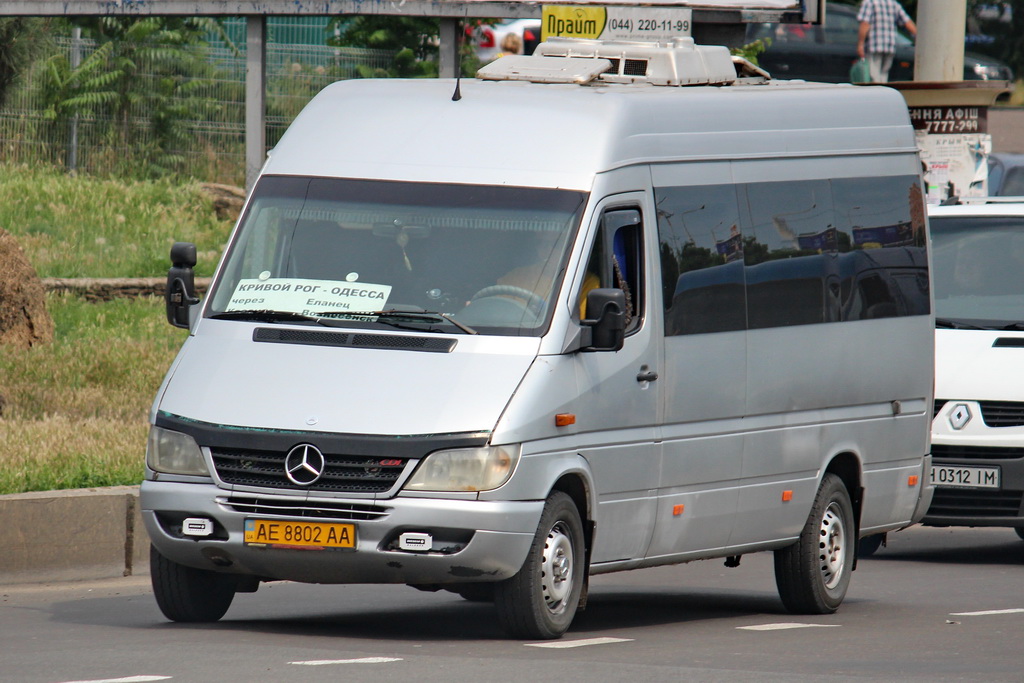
(315, 509)
(1002, 413)
(994, 413)
(961, 453)
(344, 473)
(975, 503)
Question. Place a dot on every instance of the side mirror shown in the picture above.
(180, 294)
(607, 326)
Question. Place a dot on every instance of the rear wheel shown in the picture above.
(813, 574)
(188, 594)
(540, 601)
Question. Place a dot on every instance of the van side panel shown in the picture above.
(781, 281)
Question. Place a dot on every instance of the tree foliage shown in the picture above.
(108, 83)
(22, 40)
(413, 42)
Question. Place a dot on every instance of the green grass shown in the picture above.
(79, 226)
(75, 412)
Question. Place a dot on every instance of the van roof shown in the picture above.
(562, 135)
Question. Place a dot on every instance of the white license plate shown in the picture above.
(962, 476)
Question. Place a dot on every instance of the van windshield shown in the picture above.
(419, 256)
(978, 271)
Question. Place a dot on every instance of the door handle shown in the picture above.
(646, 374)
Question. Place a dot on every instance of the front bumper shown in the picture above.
(473, 540)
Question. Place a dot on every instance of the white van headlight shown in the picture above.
(466, 469)
(174, 453)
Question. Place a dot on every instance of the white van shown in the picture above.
(978, 431)
(676, 323)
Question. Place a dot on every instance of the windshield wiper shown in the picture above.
(391, 317)
(956, 324)
(1013, 326)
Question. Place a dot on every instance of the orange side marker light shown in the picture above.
(787, 496)
(677, 510)
(912, 480)
(565, 419)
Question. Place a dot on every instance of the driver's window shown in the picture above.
(616, 261)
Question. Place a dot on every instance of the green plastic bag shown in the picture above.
(859, 72)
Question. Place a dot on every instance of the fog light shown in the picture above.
(414, 540)
(197, 526)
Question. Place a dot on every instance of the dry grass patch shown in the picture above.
(76, 411)
(60, 452)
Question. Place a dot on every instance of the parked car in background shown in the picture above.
(1006, 175)
(488, 39)
(828, 51)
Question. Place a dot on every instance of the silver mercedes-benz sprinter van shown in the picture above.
(685, 315)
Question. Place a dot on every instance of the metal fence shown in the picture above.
(212, 145)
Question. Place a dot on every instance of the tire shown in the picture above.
(189, 595)
(813, 574)
(869, 545)
(540, 601)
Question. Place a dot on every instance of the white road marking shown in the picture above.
(783, 626)
(126, 679)
(562, 644)
(361, 660)
(985, 613)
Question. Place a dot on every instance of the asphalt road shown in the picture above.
(935, 605)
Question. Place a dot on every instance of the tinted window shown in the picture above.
(765, 255)
(701, 259)
(792, 240)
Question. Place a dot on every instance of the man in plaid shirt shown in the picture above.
(876, 40)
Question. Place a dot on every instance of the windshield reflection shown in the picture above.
(462, 259)
(978, 269)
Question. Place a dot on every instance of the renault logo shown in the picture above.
(304, 464)
(959, 416)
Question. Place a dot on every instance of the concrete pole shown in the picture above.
(448, 49)
(255, 97)
(939, 55)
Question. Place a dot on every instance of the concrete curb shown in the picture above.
(72, 535)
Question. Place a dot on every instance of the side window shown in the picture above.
(701, 249)
(617, 262)
(791, 239)
(883, 268)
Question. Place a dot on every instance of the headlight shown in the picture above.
(466, 469)
(174, 453)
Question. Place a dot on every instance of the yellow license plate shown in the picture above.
(283, 534)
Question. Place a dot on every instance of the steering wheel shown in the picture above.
(533, 301)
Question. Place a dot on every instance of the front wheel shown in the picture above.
(540, 601)
(187, 594)
(812, 575)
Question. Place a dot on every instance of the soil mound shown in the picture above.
(24, 320)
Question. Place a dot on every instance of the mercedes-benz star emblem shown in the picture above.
(304, 464)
